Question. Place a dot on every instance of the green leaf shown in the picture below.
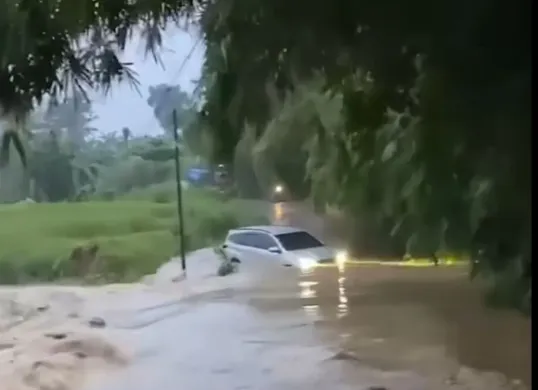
(389, 151)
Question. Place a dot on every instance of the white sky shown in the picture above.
(125, 107)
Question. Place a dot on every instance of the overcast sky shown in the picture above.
(125, 107)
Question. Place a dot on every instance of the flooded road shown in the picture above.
(428, 320)
(425, 319)
(276, 328)
(217, 333)
(279, 329)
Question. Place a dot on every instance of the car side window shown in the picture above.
(238, 238)
(250, 239)
(263, 241)
(245, 239)
(253, 240)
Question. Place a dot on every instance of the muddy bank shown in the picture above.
(56, 337)
(53, 337)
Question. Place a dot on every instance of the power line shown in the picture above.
(185, 61)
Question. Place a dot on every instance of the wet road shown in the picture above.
(223, 345)
(424, 319)
(220, 335)
(274, 328)
(231, 333)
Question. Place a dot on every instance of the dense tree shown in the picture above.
(164, 99)
(71, 118)
(126, 135)
(43, 53)
(50, 166)
(55, 48)
(434, 138)
(433, 132)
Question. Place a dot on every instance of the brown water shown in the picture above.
(429, 320)
(402, 328)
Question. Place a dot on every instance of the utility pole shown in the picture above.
(179, 194)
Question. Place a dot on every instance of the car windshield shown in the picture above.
(298, 240)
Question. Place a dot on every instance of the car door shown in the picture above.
(239, 245)
(252, 247)
(262, 243)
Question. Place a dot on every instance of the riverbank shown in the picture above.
(56, 337)
(53, 337)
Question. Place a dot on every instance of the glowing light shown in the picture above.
(341, 259)
(342, 298)
(278, 212)
(306, 264)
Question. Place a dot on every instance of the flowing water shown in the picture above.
(361, 327)
(271, 328)
(426, 319)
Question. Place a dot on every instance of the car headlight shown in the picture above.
(341, 258)
(307, 264)
(278, 189)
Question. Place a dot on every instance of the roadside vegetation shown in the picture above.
(412, 118)
(99, 207)
(99, 241)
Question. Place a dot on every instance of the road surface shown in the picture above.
(217, 336)
(276, 329)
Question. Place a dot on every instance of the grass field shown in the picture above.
(133, 236)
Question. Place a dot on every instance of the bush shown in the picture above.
(46, 242)
(131, 173)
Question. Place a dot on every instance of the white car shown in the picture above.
(285, 245)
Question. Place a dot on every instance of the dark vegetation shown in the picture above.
(412, 117)
(100, 207)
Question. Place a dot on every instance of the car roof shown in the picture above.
(270, 229)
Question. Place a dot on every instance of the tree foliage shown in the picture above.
(428, 136)
(164, 99)
(420, 124)
(52, 49)
(51, 46)
(71, 118)
(102, 168)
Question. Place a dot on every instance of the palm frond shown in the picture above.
(51, 47)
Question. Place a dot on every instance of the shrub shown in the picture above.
(132, 173)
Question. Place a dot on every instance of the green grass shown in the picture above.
(134, 234)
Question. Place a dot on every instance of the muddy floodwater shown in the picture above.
(429, 320)
(270, 327)
(423, 319)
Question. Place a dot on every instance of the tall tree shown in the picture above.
(126, 135)
(164, 99)
(435, 97)
(436, 117)
(55, 48)
(72, 118)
